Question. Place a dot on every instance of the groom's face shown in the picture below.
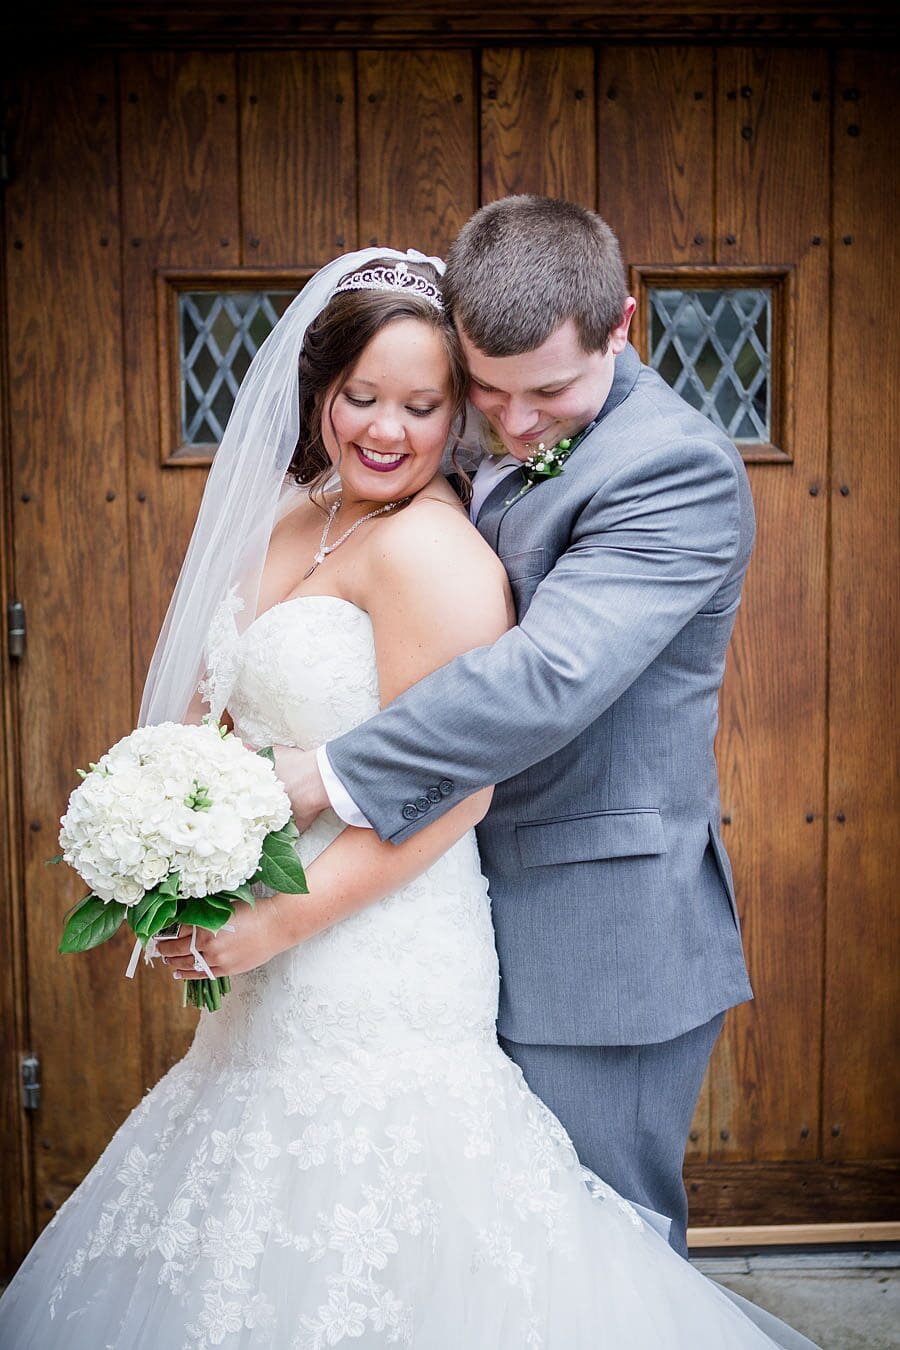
(546, 394)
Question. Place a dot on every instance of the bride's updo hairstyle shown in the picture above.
(333, 344)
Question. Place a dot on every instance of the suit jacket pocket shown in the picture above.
(527, 564)
(588, 838)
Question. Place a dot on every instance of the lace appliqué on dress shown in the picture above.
(222, 652)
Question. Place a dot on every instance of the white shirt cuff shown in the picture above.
(342, 804)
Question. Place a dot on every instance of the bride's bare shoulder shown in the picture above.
(434, 531)
(431, 574)
(435, 513)
(440, 491)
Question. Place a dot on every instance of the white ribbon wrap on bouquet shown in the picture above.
(152, 950)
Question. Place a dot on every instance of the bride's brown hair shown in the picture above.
(333, 344)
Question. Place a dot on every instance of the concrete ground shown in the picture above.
(845, 1299)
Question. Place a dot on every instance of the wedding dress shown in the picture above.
(345, 1155)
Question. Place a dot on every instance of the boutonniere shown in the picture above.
(543, 463)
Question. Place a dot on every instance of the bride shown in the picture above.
(345, 1153)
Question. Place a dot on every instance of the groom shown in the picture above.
(612, 895)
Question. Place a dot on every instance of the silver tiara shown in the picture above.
(398, 278)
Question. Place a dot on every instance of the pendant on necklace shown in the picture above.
(318, 559)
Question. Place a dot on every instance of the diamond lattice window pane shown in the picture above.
(714, 348)
(221, 332)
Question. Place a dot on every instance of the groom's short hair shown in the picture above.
(522, 266)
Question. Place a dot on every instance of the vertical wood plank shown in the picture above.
(773, 203)
(655, 151)
(862, 954)
(537, 123)
(417, 148)
(298, 157)
(71, 566)
(16, 1188)
(655, 126)
(180, 207)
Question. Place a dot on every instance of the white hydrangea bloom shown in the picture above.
(129, 823)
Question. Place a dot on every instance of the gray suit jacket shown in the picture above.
(612, 894)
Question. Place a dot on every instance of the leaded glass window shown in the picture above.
(714, 347)
(220, 333)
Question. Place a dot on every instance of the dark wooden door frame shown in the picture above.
(231, 24)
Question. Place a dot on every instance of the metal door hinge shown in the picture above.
(15, 629)
(31, 1082)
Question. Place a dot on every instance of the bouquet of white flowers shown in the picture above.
(172, 826)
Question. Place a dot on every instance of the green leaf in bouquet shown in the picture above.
(267, 753)
(170, 885)
(51, 862)
(242, 892)
(137, 912)
(279, 866)
(158, 903)
(92, 922)
(209, 911)
(79, 904)
(155, 917)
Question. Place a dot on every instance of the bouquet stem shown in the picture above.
(205, 993)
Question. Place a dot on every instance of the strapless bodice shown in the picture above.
(301, 673)
(420, 962)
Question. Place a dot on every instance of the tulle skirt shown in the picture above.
(419, 1196)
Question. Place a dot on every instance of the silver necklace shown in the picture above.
(324, 549)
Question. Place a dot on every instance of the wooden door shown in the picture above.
(132, 168)
(68, 559)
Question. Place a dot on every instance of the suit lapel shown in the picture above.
(494, 506)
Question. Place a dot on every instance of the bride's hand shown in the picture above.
(299, 772)
(254, 937)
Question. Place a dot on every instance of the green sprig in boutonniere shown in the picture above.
(543, 463)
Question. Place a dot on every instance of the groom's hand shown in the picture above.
(300, 775)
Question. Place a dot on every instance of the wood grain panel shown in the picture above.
(773, 202)
(655, 125)
(537, 123)
(179, 208)
(655, 151)
(793, 1192)
(417, 148)
(298, 157)
(71, 560)
(861, 1091)
(16, 1181)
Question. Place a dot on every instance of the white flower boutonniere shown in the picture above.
(543, 463)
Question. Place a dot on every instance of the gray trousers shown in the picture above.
(627, 1110)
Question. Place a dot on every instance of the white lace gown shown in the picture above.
(345, 1155)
